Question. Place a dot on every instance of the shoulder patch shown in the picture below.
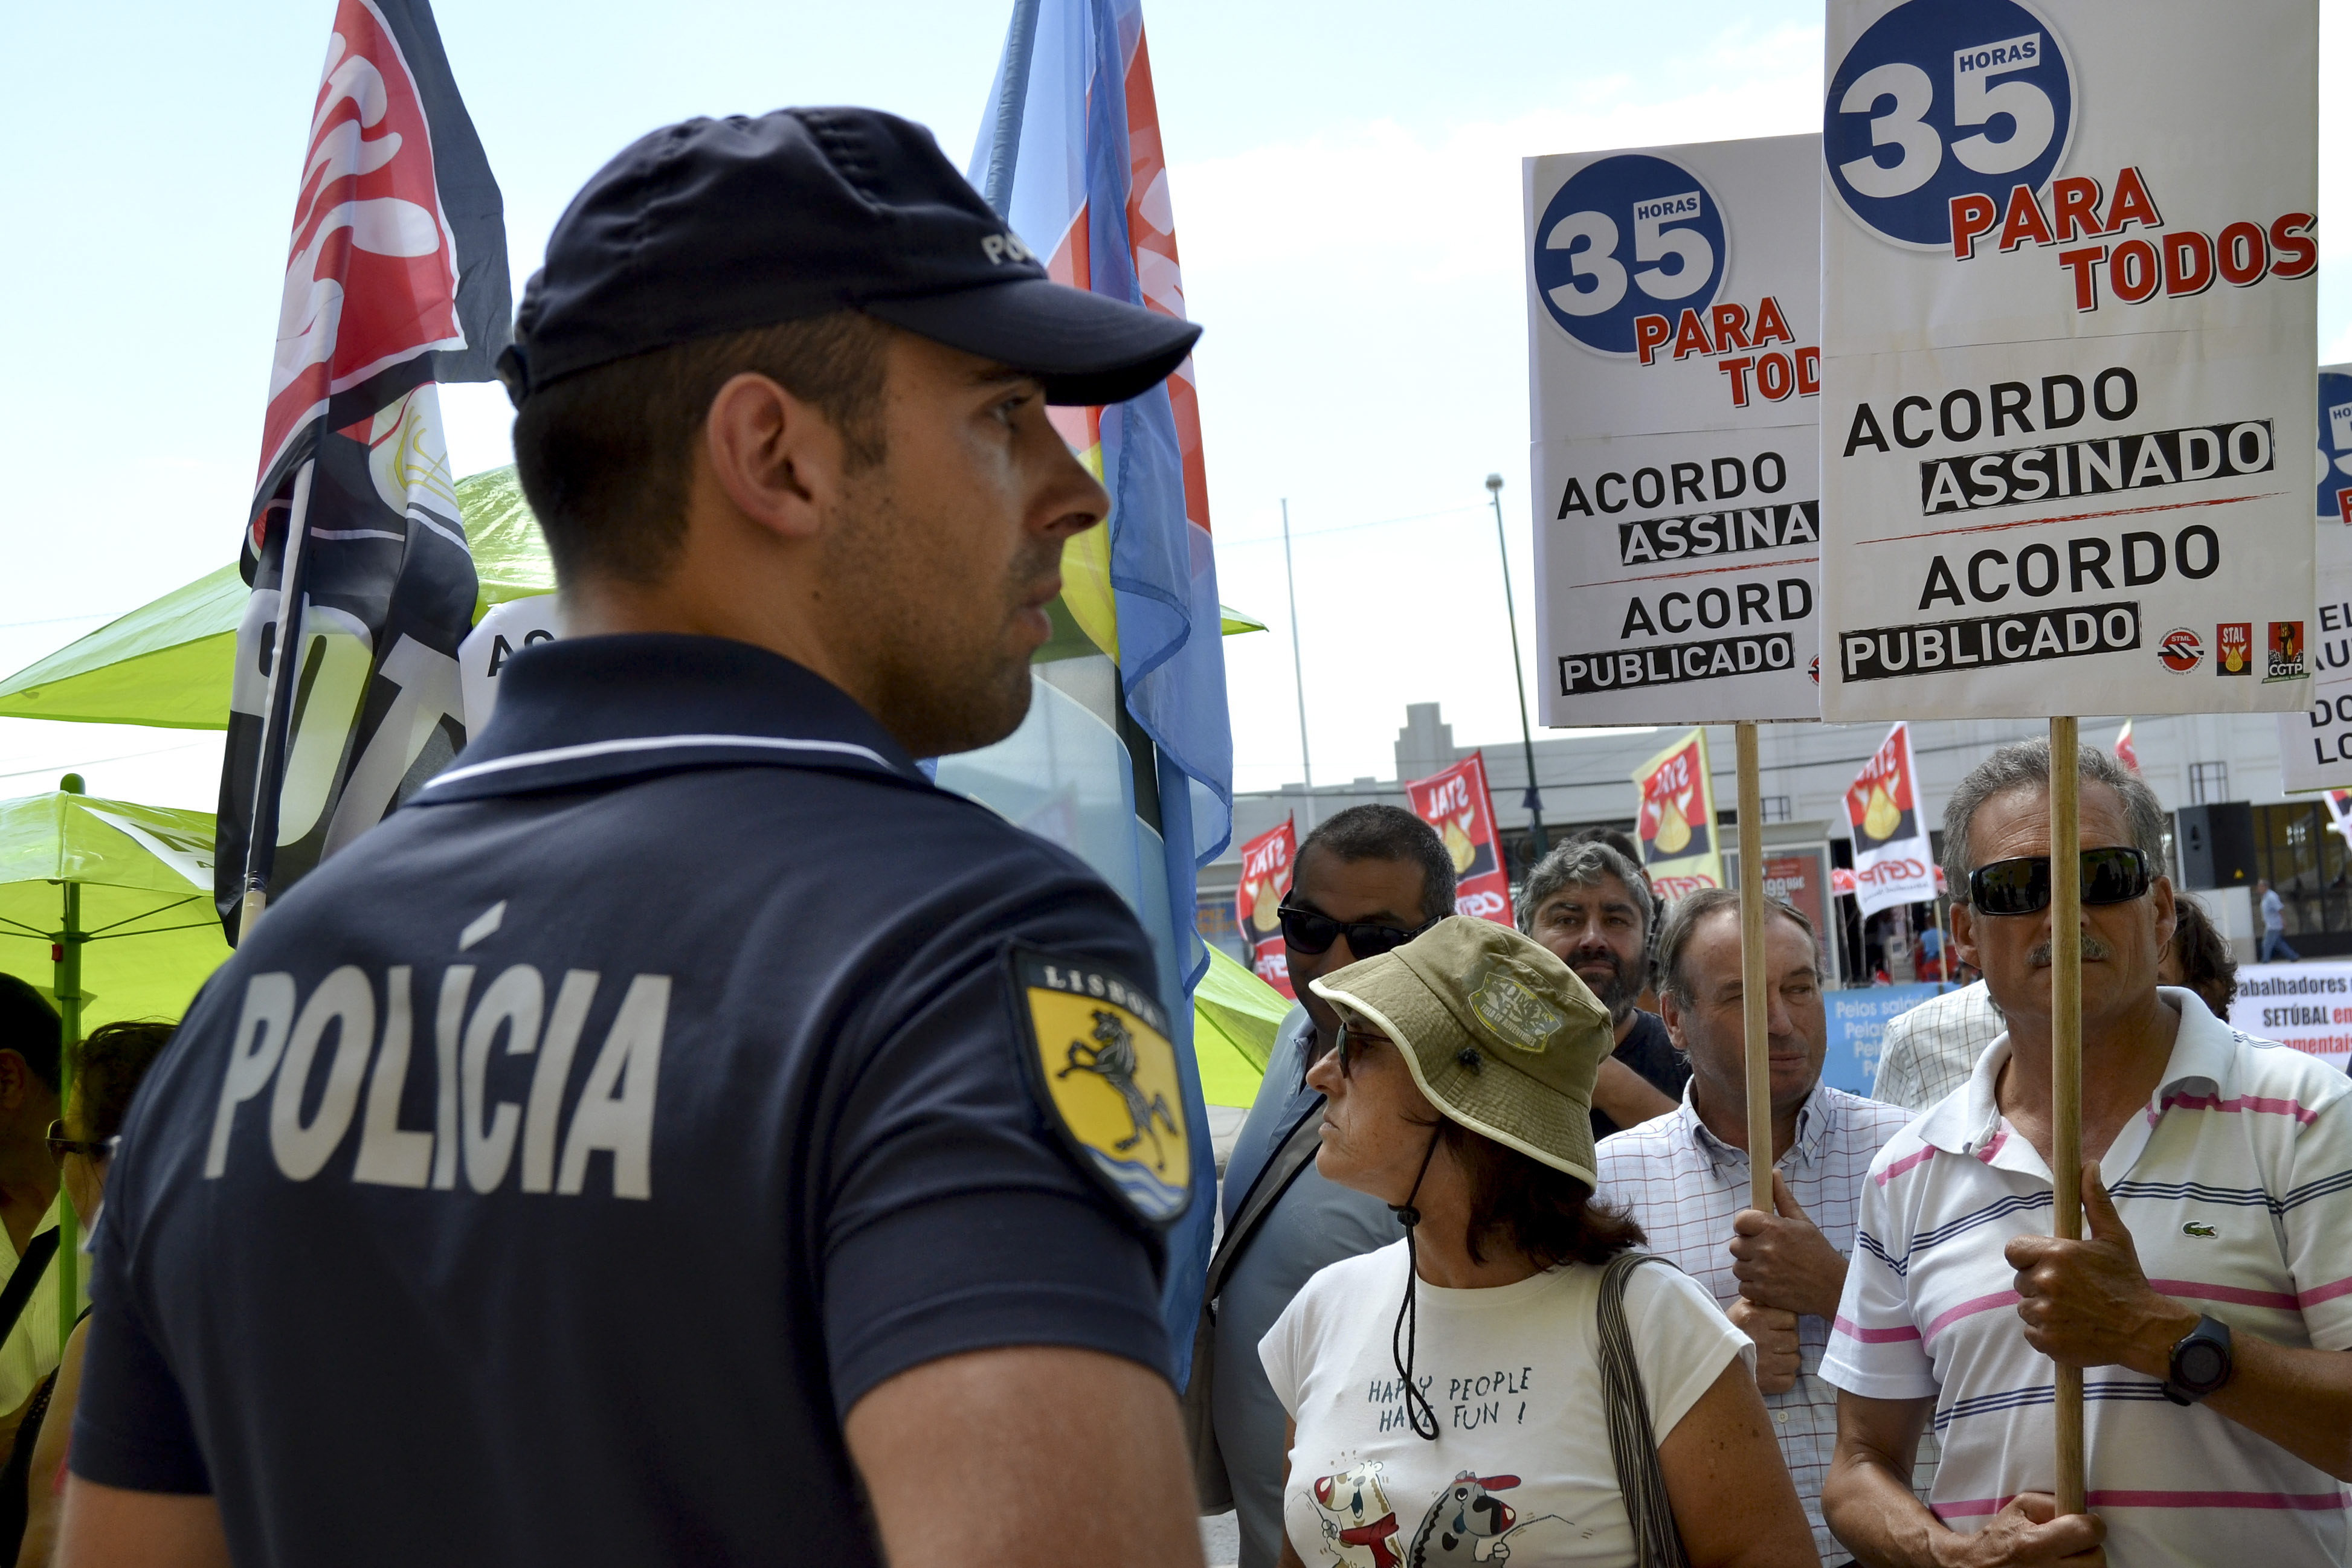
(1095, 1052)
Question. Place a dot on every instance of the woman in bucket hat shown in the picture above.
(1504, 1380)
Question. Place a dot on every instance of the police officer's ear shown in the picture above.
(770, 456)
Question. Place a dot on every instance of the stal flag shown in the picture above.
(1457, 804)
(2340, 814)
(1892, 861)
(2125, 752)
(1266, 861)
(396, 278)
(1677, 826)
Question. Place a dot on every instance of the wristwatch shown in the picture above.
(2200, 1362)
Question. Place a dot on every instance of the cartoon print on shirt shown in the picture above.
(1112, 1059)
(1465, 1516)
(1359, 1526)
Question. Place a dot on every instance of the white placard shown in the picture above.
(2315, 745)
(2307, 1007)
(501, 634)
(1672, 315)
(2068, 262)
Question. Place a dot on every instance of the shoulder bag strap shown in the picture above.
(1272, 1182)
(1633, 1444)
(27, 1274)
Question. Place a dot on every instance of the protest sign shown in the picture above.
(2315, 746)
(1676, 827)
(1257, 902)
(1672, 311)
(1893, 860)
(2065, 372)
(1457, 804)
(2305, 1007)
(1858, 1021)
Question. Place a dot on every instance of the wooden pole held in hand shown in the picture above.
(1753, 993)
(2067, 1063)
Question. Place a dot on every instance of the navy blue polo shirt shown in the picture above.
(554, 1168)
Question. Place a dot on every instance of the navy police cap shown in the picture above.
(714, 226)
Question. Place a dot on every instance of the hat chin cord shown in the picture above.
(1417, 1408)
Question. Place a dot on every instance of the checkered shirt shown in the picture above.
(1684, 1184)
(1929, 1050)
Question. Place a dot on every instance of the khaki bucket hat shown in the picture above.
(1500, 1034)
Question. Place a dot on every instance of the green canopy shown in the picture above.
(168, 663)
(142, 877)
(1235, 1015)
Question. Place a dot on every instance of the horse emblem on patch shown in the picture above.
(1095, 1052)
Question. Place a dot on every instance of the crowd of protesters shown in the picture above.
(1894, 1321)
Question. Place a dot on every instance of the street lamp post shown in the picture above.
(1534, 799)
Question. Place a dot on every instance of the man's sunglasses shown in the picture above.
(1312, 932)
(89, 1149)
(2021, 887)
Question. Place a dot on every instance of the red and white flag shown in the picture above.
(1458, 804)
(1893, 862)
(396, 279)
(1266, 861)
(2125, 752)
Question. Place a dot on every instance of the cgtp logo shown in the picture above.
(1940, 99)
(1624, 238)
(1481, 906)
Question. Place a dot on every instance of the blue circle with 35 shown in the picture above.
(1940, 99)
(1627, 235)
(2335, 446)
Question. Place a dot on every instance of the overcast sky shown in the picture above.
(1347, 195)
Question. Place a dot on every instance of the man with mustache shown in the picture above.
(1589, 904)
(2211, 1302)
(1685, 1177)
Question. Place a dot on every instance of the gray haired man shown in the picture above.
(1589, 904)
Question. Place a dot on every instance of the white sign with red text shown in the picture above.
(2305, 1007)
(1673, 317)
(2068, 267)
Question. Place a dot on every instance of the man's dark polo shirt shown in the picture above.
(554, 1168)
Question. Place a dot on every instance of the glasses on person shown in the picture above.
(87, 1148)
(2021, 887)
(1311, 932)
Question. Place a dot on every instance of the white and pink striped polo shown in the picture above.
(2236, 1183)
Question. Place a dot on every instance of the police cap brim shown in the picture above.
(1087, 349)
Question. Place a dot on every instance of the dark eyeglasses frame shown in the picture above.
(1365, 940)
(2114, 874)
(87, 1148)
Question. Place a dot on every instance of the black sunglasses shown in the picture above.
(1312, 932)
(2021, 887)
(89, 1149)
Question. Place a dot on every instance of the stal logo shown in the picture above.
(1627, 236)
(371, 275)
(2234, 648)
(1945, 99)
(2180, 650)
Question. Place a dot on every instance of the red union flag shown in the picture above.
(1266, 862)
(396, 278)
(1892, 861)
(1458, 804)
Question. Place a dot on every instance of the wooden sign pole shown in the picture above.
(1752, 984)
(2067, 1063)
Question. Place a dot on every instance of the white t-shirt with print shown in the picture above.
(1521, 1466)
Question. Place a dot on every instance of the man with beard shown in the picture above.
(1588, 904)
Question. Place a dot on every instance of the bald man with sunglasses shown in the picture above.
(1366, 881)
(2209, 1304)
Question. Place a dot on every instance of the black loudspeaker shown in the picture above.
(2216, 844)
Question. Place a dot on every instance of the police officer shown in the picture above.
(685, 1134)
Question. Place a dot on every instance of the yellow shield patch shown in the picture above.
(1096, 1052)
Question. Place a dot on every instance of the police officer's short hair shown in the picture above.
(30, 1027)
(1389, 833)
(604, 453)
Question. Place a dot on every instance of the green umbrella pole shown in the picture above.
(68, 989)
